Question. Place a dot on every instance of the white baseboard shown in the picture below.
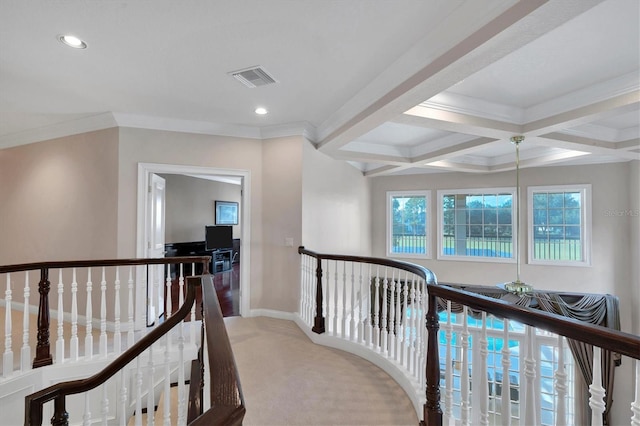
(271, 313)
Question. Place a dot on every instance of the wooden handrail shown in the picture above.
(103, 262)
(43, 350)
(606, 338)
(59, 391)
(421, 271)
(227, 400)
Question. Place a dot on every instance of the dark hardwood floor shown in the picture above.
(227, 285)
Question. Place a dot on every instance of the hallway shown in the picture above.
(288, 380)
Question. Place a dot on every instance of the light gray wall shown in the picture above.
(336, 205)
(190, 206)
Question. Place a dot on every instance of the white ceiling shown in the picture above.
(404, 86)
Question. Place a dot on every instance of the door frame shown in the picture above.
(145, 170)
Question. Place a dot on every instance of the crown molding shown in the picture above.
(66, 128)
(114, 119)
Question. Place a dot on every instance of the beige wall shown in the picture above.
(152, 146)
(59, 199)
(281, 218)
(190, 206)
(336, 205)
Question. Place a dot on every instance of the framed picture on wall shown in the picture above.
(226, 212)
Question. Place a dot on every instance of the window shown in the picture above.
(559, 224)
(477, 224)
(407, 223)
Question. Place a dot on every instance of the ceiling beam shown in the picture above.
(579, 143)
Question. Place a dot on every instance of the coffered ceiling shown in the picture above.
(404, 86)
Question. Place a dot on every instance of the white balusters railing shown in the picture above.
(464, 370)
(596, 401)
(130, 312)
(7, 356)
(635, 405)
(560, 385)
(505, 413)
(88, 339)
(448, 394)
(60, 340)
(371, 306)
(117, 347)
(73, 342)
(103, 314)
(25, 352)
(530, 411)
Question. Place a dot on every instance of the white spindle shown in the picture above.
(368, 311)
(124, 397)
(168, 302)
(464, 373)
(104, 405)
(7, 357)
(335, 298)
(167, 382)
(88, 338)
(406, 317)
(506, 376)
(86, 417)
(73, 342)
(413, 351)
(344, 300)
(398, 329)
(182, 391)
(150, 389)
(138, 414)
(384, 322)
(352, 328)
(528, 403)
(130, 314)
(103, 314)
(421, 335)
(60, 340)
(158, 285)
(362, 311)
(484, 385)
(181, 284)
(596, 401)
(448, 366)
(560, 385)
(25, 352)
(116, 313)
(635, 405)
(390, 324)
(376, 309)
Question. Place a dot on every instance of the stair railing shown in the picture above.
(121, 304)
(605, 341)
(379, 305)
(391, 309)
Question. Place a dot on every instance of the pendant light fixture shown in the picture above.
(517, 286)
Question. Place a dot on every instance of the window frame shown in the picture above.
(389, 221)
(585, 224)
(478, 191)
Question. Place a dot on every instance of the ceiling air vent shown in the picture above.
(253, 77)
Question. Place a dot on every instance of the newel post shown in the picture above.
(60, 415)
(432, 411)
(43, 353)
(318, 326)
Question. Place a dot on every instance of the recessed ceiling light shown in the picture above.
(72, 41)
(261, 111)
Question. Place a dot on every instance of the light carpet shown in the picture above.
(288, 380)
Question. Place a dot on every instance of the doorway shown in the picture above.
(145, 173)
